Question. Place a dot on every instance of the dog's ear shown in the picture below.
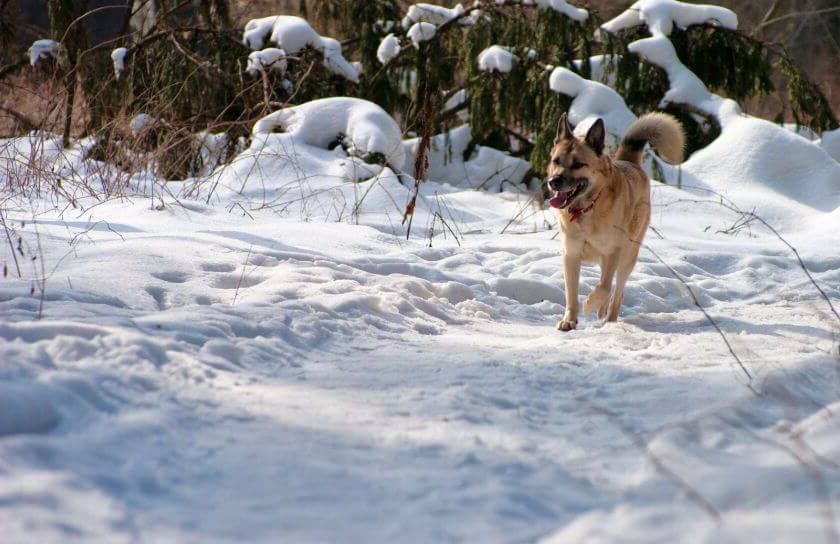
(596, 135)
(564, 129)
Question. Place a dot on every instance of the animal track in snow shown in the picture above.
(171, 276)
(218, 267)
(237, 281)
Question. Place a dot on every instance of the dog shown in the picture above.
(603, 205)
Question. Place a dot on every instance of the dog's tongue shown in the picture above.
(558, 200)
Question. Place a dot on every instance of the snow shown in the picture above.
(269, 58)
(496, 59)
(118, 57)
(141, 122)
(562, 6)
(200, 374)
(294, 34)
(213, 151)
(335, 62)
(366, 127)
(830, 142)
(487, 168)
(430, 13)
(783, 176)
(592, 100)
(602, 68)
(43, 49)
(660, 16)
(421, 32)
(388, 49)
(685, 86)
(262, 354)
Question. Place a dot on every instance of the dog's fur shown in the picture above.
(604, 205)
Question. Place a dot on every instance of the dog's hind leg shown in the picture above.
(626, 263)
(599, 299)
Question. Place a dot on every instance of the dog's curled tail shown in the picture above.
(664, 133)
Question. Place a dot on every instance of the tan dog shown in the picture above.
(604, 205)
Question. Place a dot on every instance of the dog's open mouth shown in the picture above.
(562, 199)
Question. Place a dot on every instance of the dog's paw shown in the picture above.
(566, 325)
(597, 302)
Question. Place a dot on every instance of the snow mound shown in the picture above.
(268, 59)
(830, 142)
(660, 16)
(496, 59)
(488, 169)
(25, 410)
(592, 100)
(421, 32)
(364, 126)
(562, 6)
(388, 49)
(757, 163)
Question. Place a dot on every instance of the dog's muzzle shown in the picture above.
(566, 189)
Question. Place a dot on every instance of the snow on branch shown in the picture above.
(388, 49)
(431, 13)
(293, 35)
(561, 6)
(592, 100)
(496, 59)
(118, 58)
(421, 32)
(268, 59)
(43, 49)
(685, 86)
(660, 16)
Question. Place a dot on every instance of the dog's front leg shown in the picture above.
(571, 268)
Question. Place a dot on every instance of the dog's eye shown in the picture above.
(577, 165)
(557, 161)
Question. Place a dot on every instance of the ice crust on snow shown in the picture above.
(496, 59)
(118, 58)
(421, 32)
(43, 49)
(366, 126)
(269, 59)
(388, 48)
(294, 34)
(660, 16)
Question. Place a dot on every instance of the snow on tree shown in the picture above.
(496, 59)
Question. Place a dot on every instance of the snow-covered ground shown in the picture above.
(266, 358)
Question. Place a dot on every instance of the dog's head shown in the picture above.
(576, 170)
